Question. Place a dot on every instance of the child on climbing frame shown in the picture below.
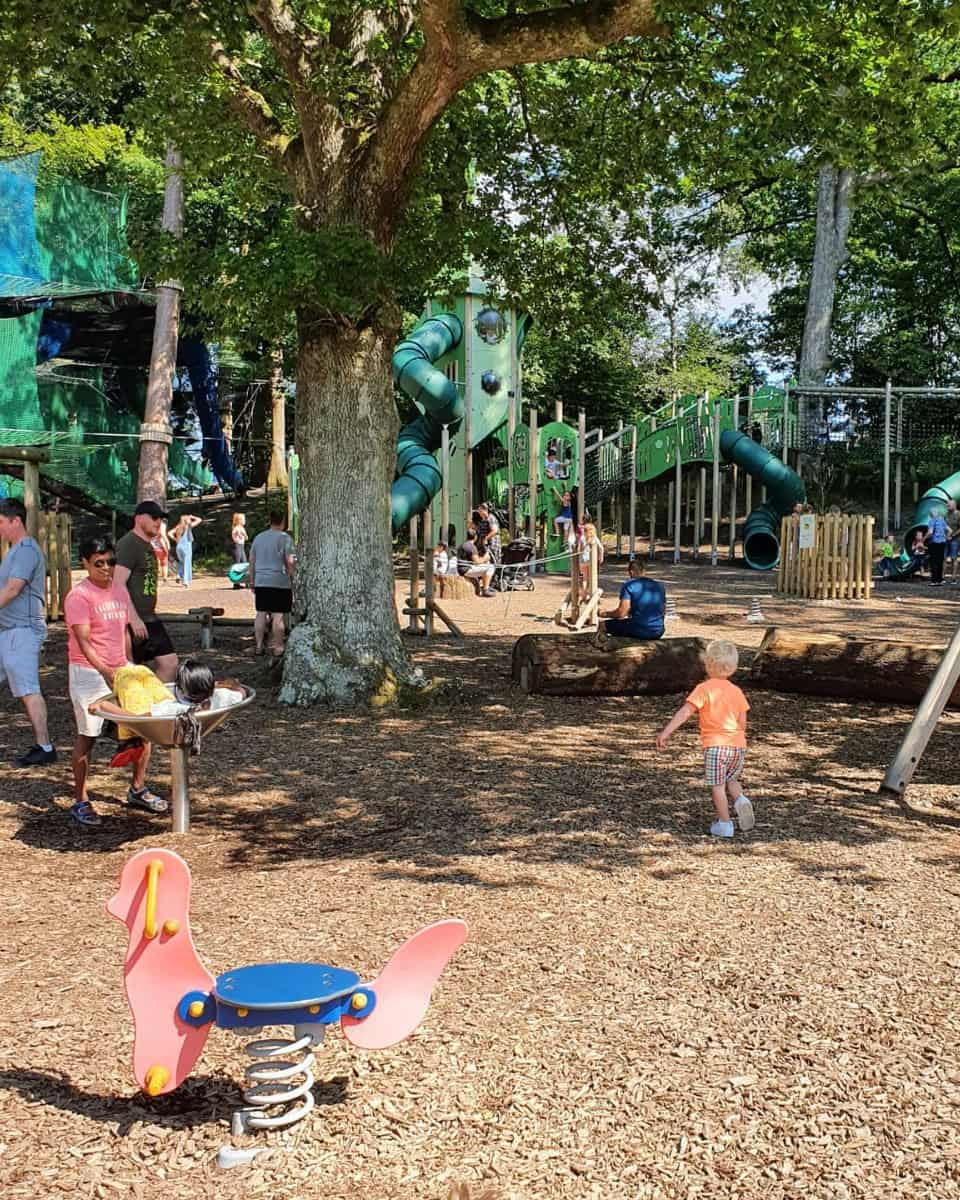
(722, 709)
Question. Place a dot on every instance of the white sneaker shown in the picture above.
(744, 810)
(722, 829)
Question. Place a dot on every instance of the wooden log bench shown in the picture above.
(848, 668)
(553, 664)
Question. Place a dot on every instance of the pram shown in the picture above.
(514, 569)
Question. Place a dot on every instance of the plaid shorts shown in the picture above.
(722, 763)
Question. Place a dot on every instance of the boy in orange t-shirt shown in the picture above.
(723, 735)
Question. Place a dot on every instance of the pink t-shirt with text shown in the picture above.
(105, 611)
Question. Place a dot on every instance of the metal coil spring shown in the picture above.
(274, 1077)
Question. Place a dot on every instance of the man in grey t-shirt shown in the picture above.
(271, 577)
(23, 626)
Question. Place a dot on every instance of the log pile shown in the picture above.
(573, 665)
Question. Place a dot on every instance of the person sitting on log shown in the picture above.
(474, 563)
(641, 611)
(722, 708)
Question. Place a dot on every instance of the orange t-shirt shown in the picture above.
(723, 713)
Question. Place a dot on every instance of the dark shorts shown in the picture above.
(155, 645)
(625, 629)
(273, 600)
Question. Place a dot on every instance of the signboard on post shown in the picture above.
(808, 532)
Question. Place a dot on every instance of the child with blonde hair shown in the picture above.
(722, 709)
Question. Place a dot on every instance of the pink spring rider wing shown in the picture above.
(404, 986)
(161, 966)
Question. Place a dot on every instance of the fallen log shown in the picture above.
(552, 664)
(848, 668)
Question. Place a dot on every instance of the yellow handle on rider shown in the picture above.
(150, 921)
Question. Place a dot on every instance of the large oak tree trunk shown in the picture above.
(573, 665)
(346, 647)
(823, 665)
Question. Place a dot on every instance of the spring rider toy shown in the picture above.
(175, 1001)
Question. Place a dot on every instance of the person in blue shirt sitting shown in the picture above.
(640, 613)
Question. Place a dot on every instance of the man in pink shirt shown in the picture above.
(96, 613)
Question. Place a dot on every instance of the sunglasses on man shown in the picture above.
(103, 563)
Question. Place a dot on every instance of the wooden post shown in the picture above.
(581, 463)
(670, 487)
(155, 432)
(699, 479)
(887, 397)
(428, 572)
(652, 551)
(574, 583)
(785, 435)
(715, 488)
(618, 494)
(31, 497)
(414, 596)
(748, 478)
(511, 465)
(898, 485)
(734, 482)
(558, 411)
(533, 473)
(445, 488)
(64, 528)
(633, 491)
(677, 488)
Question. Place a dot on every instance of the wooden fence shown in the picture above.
(835, 561)
(54, 536)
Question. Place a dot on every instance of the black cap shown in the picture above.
(150, 508)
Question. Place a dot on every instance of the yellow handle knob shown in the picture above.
(358, 1001)
(156, 1079)
(171, 927)
(150, 919)
(195, 1008)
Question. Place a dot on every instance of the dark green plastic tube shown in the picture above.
(418, 473)
(761, 532)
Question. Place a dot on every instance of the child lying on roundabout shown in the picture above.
(139, 692)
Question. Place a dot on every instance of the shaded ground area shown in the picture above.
(637, 1012)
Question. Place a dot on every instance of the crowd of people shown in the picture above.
(120, 656)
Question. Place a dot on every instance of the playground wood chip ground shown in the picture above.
(638, 1011)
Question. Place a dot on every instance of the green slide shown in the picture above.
(761, 532)
(418, 473)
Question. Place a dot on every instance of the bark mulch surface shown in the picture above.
(638, 1011)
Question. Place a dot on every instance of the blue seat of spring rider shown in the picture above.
(287, 993)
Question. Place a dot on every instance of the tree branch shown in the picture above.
(458, 47)
(293, 44)
(575, 31)
(944, 77)
(251, 106)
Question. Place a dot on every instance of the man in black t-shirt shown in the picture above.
(137, 572)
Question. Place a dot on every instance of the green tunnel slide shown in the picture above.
(761, 531)
(418, 472)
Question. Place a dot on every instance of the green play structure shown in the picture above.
(66, 275)
(462, 368)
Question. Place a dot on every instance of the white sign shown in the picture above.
(808, 532)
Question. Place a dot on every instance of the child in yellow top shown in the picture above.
(722, 708)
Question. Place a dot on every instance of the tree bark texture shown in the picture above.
(835, 191)
(155, 432)
(573, 665)
(346, 646)
(821, 665)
